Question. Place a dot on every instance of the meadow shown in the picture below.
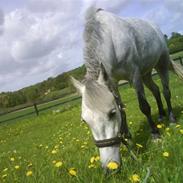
(57, 147)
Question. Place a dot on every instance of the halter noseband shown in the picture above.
(111, 141)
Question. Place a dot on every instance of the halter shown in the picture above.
(111, 141)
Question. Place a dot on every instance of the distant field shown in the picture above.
(176, 55)
(30, 110)
(38, 144)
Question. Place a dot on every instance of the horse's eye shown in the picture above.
(112, 113)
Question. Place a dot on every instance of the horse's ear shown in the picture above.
(103, 77)
(77, 84)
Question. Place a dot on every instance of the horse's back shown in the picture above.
(123, 45)
(137, 43)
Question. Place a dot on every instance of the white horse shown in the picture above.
(121, 48)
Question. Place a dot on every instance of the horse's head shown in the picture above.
(101, 112)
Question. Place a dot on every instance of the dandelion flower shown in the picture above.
(166, 154)
(58, 164)
(139, 145)
(5, 169)
(17, 167)
(135, 178)
(159, 126)
(181, 131)
(4, 176)
(54, 151)
(53, 161)
(29, 165)
(12, 159)
(72, 171)
(177, 126)
(112, 165)
(91, 166)
(97, 158)
(29, 173)
(92, 159)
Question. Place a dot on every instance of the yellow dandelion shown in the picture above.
(29, 173)
(46, 147)
(17, 167)
(54, 151)
(177, 126)
(56, 146)
(97, 158)
(4, 176)
(181, 131)
(112, 165)
(29, 165)
(53, 161)
(12, 159)
(6, 169)
(167, 129)
(58, 164)
(139, 145)
(159, 126)
(165, 154)
(73, 172)
(91, 166)
(135, 178)
(92, 159)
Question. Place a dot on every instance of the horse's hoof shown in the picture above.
(161, 118)
(158, 140)
(156, 137)
(128, 135)
(172, 118)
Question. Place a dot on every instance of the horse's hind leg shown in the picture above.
(143, 104)
(151, 85)
(164, 75)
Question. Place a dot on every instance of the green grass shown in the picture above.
(32, 141)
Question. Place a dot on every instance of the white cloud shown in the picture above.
(44, 38)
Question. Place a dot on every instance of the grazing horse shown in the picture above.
(121, 48)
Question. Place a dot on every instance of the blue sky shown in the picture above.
(41, 39)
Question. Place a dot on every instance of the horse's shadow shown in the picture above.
(143, 136)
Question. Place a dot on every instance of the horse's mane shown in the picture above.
(92, 39)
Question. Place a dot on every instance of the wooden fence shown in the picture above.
(38, 110)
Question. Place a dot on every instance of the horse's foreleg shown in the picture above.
(151, 85)
(143, 104)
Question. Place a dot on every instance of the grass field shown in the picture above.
(44, 149)
(30, 111)
(176, 55)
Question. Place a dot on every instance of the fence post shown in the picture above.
(181, 60)
(36, 109)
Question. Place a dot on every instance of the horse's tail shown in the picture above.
(177, 68)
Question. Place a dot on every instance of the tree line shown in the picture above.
(60, 85)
